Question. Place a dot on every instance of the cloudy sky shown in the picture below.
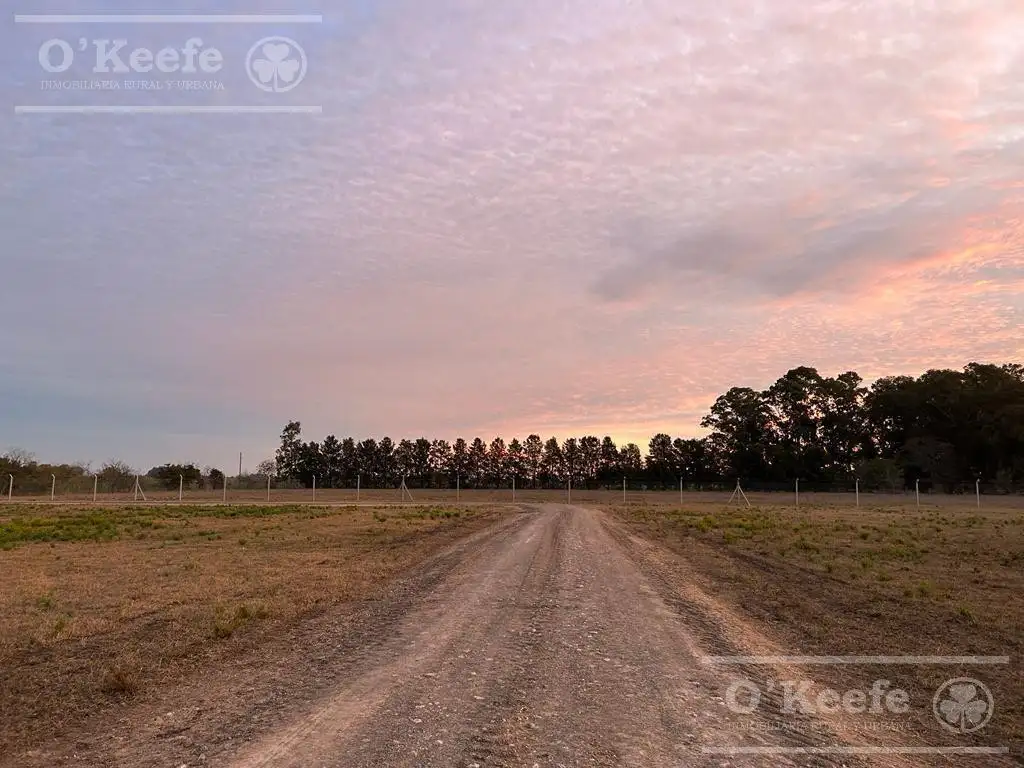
(553, 216)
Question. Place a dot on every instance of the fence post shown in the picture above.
(680, 492)
(977, 491)
(798, 493)
(10, 488)
(181, 488)
(224, 497)
(95, 487)
(269, 478)
(314, 489)
(359, 483)
(917, 492)
(858, 492)
(513, 489)
(570, 490)
(53, 487)
(458, 488)
(623, 489)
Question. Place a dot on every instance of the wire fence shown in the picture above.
(256, 489)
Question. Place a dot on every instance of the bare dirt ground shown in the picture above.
(555, 637)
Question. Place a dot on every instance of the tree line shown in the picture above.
(944, 429)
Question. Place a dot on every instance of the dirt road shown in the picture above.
(552, 639)
(547, 645)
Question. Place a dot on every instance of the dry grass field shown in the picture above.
(107, 608)
(881, 580)
(101, 605)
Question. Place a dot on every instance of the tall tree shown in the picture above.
(552, 464)
(631, 461)
(331, 462)
(590, 459)
(662, 462)
(476, 467)
(497, 463)
(533, 449)
(611, 470)
(742, 433)
(517, 461)
(289, 455)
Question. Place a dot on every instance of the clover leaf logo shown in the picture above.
(276, 64)
(963, 705)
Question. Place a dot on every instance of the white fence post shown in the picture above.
(10, 488)
(513, 489)
(181, 488)
(314, 489)
(95, 487)
(680, 491)
(917, 492)
(798, 493)
(623, 489)
(224, 496)
(359, 484)
(977, 491)
(858, 492)
(269, 478)
(458, 488)
(570, 490)
(53, 487)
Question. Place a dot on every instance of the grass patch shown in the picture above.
(847, 581)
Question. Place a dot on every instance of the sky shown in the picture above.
(556, 216)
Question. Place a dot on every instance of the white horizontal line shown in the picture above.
(167, 18)
(855, 750)
(839, 660)
(166, 110)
